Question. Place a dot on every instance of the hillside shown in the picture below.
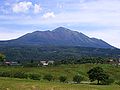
(58, 37)
(37, 53)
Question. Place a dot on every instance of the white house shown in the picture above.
(46, 63)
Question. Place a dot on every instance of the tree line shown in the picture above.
(37, 53)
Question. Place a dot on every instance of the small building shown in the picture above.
(46, 63)
(111, 61)
(114, 62)
(11, 63)
(7, 63)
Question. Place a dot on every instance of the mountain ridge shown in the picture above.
(58, 37)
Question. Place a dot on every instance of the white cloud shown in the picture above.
(25, 7)
(37, 8)
(104, 5)
(22, 7)
(49, 15)
(60, 5)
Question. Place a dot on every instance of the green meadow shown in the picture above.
(67, 70)
(20, 84)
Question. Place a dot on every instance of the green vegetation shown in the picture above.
(62, 78)
(35, 76)
(2, 57)
(23, 84)
(49, 78)
(97, 73)
(67, 70)
(77, 78)
(19, 75)
(37, 53)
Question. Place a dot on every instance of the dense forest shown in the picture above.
(37, 53)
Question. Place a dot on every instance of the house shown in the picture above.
(114, 62)
(46, 63)
(111, 61)
(11, 63)
(7, 63)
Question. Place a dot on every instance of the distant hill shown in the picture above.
(59, 37)
(37, 53)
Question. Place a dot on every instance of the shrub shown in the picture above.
(1, 74)
(34, 76)
(62, 78)
(118, 82)
(77, 78)
(48, 77)
(107, 81)
(5, 74)
(20, 75)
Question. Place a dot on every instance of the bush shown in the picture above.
(1, 74)
(20, 75)
(77, 78)
(5, 74)
(48, 77)
(107, 81)
(34, 76)
(118, 82)
(62, 78)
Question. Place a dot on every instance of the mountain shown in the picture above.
(58, 37)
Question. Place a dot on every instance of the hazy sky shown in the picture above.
(95, 18)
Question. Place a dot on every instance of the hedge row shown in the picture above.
(21, 75)
(48, 77)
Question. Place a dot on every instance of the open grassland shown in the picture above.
(56, 71)
(22, 84)
(68, 70)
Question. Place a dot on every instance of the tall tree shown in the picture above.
(97, 73)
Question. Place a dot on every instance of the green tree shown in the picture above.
(77, 78)
(62, 78)
(97, 73)
(2, 57)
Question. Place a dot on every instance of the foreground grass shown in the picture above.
(68, 70)
(20, 84)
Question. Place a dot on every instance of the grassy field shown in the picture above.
(20, 84)
(68, 70)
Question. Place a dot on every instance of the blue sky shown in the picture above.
(95, 18)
